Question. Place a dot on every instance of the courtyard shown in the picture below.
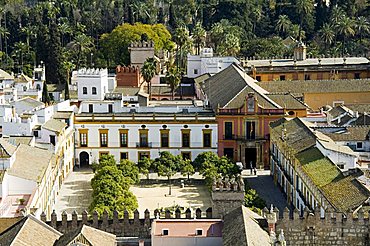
(76, 191)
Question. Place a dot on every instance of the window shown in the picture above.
(123, 138)
(110, 108)
(185, 138)
(84, 90)
(83, 139)
(186, 155)
(250, 130)
(359, 145)
(143, 135)
(199, 232)
(228, 130)
(143, 155)
(165, 232)
(206, 139)
(195, 71)
(24, 88)
(103, 138)
(36, 134)
(93, 90)
(307, 77)
(164, 138)
(124, 155)
(258, 78)
(52, 139)
(357, 76)
(91, 108)
(282, 77)
(38, 87)
(229, 152)
(341, 166)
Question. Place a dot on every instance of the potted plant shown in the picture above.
(21, 201)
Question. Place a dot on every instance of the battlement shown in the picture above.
(128, 225)
(142, 44)
(228, 185)
(323, 227)
(127, 69)
(92, 72)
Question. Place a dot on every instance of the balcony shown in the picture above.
(243, 138)
(143, 144)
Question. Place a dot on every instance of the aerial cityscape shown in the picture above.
(184, 122)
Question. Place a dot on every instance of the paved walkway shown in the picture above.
(264, 185)
(75, 193)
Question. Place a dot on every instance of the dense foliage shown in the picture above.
(68, 34)
(111, 185)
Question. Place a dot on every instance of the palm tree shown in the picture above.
(362, 26)
(80, 44)
(217, 33)
(304, 8)
(231, 45)
(327, 34)
(181, 37)
(173, 78)
(346, 28)
(295, 30)
(3, 35)
(336, 15)
(199, 36)
(283, 24)
(148, 71)
(29, 31)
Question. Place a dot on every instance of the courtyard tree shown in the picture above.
(129, 170)
(204, 157)
(186, 168)
(227, 168)
(166, 165)
(105, 160)
(144, 166)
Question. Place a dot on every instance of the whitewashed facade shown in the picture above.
(206, 63)
(135, 133)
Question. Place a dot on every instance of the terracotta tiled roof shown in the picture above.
(351, 133)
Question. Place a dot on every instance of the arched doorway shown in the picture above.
(84, 159)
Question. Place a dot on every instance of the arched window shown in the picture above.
(94, 91)
(24, 88)
(38, 87)
(84, 90)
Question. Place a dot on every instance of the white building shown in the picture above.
(206, 63)
(134, 133)
(92, 84)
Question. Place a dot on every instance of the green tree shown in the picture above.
(81, 44)
(346, 28)
(148, 71)
(199, 37)
(173, 78)
(304, 9)
(283, 24)
(362, 26)
(204, 157)
(129, 170)
(230, 46)
(187, 168)
(181, 37)
(144, 166)
(45, 98)
(167, 165)
(104, 160)
(227, 168)
(327, 34)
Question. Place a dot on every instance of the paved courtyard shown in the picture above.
(75, 193)
(264, 185)
(156, 196)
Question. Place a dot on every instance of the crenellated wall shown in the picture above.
(330, 228)
(128, 76)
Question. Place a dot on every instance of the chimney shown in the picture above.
(300, 53)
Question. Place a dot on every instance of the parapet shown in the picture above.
(128, 225)
(228, 185)
(142, 44)
(92, 72)
(127, 69)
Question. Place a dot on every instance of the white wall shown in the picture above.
(19, 186)
(18, 127)
(336, 157)
(175, 141)
(92, 78)
(4, 186)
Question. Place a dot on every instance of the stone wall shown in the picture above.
(226, 196)
(125, 226)
(330, 229)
